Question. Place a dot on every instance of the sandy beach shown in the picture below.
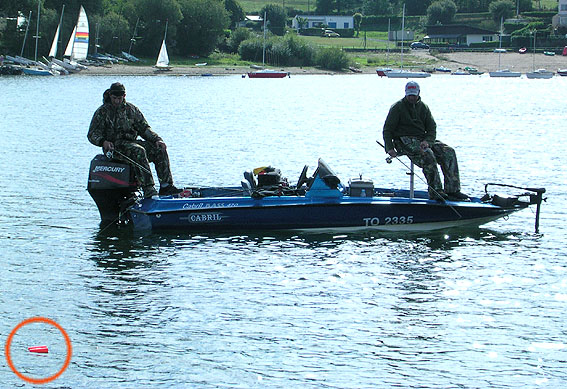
(484, 62)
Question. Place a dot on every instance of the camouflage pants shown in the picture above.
(143, 152)
(438, 153)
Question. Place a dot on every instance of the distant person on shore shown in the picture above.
(410, 130)
(117, 126)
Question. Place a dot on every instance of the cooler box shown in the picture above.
(361, 188)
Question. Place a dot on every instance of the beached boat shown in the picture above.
(540, 73)
(265, 201)
(504, 73)
(562, 72)
(266, 73)
(382, 71)
(473, 71)
(401, 73)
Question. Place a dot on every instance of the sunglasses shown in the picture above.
(117, 94)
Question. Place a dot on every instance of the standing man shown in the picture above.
(410, 129)
(117, 125)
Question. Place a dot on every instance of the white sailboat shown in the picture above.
(162, 63)
(53, 49)
(539, 73)
(78, 45)
(401, 73)
(502, 72)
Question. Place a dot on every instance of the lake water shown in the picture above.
(482, 307)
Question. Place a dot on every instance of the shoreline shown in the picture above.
(484, 62)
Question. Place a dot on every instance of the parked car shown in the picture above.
(331, 34)
(419, 45)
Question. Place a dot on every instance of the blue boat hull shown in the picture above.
(319, 203)
(301, 213)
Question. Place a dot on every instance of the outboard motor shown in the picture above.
(111, 185)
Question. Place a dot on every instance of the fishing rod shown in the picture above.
(412, 173)
(109, 155)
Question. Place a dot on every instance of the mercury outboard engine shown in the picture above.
(111, 185)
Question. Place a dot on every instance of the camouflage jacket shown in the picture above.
(406, 119)
(125, 122)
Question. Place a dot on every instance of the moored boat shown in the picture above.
(504, 73)
(268, 73)
(540, 73)
(382, 71)
(401, 73)
(265, 201)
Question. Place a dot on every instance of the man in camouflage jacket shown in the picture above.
(118, 125)
(411, 130)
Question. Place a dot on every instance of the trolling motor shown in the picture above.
(534, 194)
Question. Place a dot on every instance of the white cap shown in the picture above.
(412, 88)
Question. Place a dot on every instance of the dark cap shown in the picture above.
(117, 89)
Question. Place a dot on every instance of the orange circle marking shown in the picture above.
(9, 357)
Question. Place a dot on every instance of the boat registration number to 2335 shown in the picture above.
(375, 221)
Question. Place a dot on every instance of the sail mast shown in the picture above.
(403, 26)
(264, 46)
(26, 35)
(54, 45)
(37, 30)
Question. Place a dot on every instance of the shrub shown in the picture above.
(237, 36)
(332, 58)
(288, 51)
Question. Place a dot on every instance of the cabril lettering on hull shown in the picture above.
(205, 217)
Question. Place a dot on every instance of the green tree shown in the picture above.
(154, 15)
(377, 7)
(302, 22)
(10, 8)
(276, 17)
(113, 32)
(416, 7)
(441, 11)
(502, 9)
(202, 26)
(235, 12)
(237, 37)
(357, 17)
(324, 7)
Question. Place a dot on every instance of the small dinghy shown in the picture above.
(266, 201)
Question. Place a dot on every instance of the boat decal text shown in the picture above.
(110, 169)
(208, 205)
(205, 217)
(374, 221)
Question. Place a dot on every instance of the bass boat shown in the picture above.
(266, 201)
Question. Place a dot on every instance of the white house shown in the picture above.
(560, 20)
(331, 21)
(458, 34)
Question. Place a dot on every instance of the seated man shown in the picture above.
(116, 125)
(410, 129)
